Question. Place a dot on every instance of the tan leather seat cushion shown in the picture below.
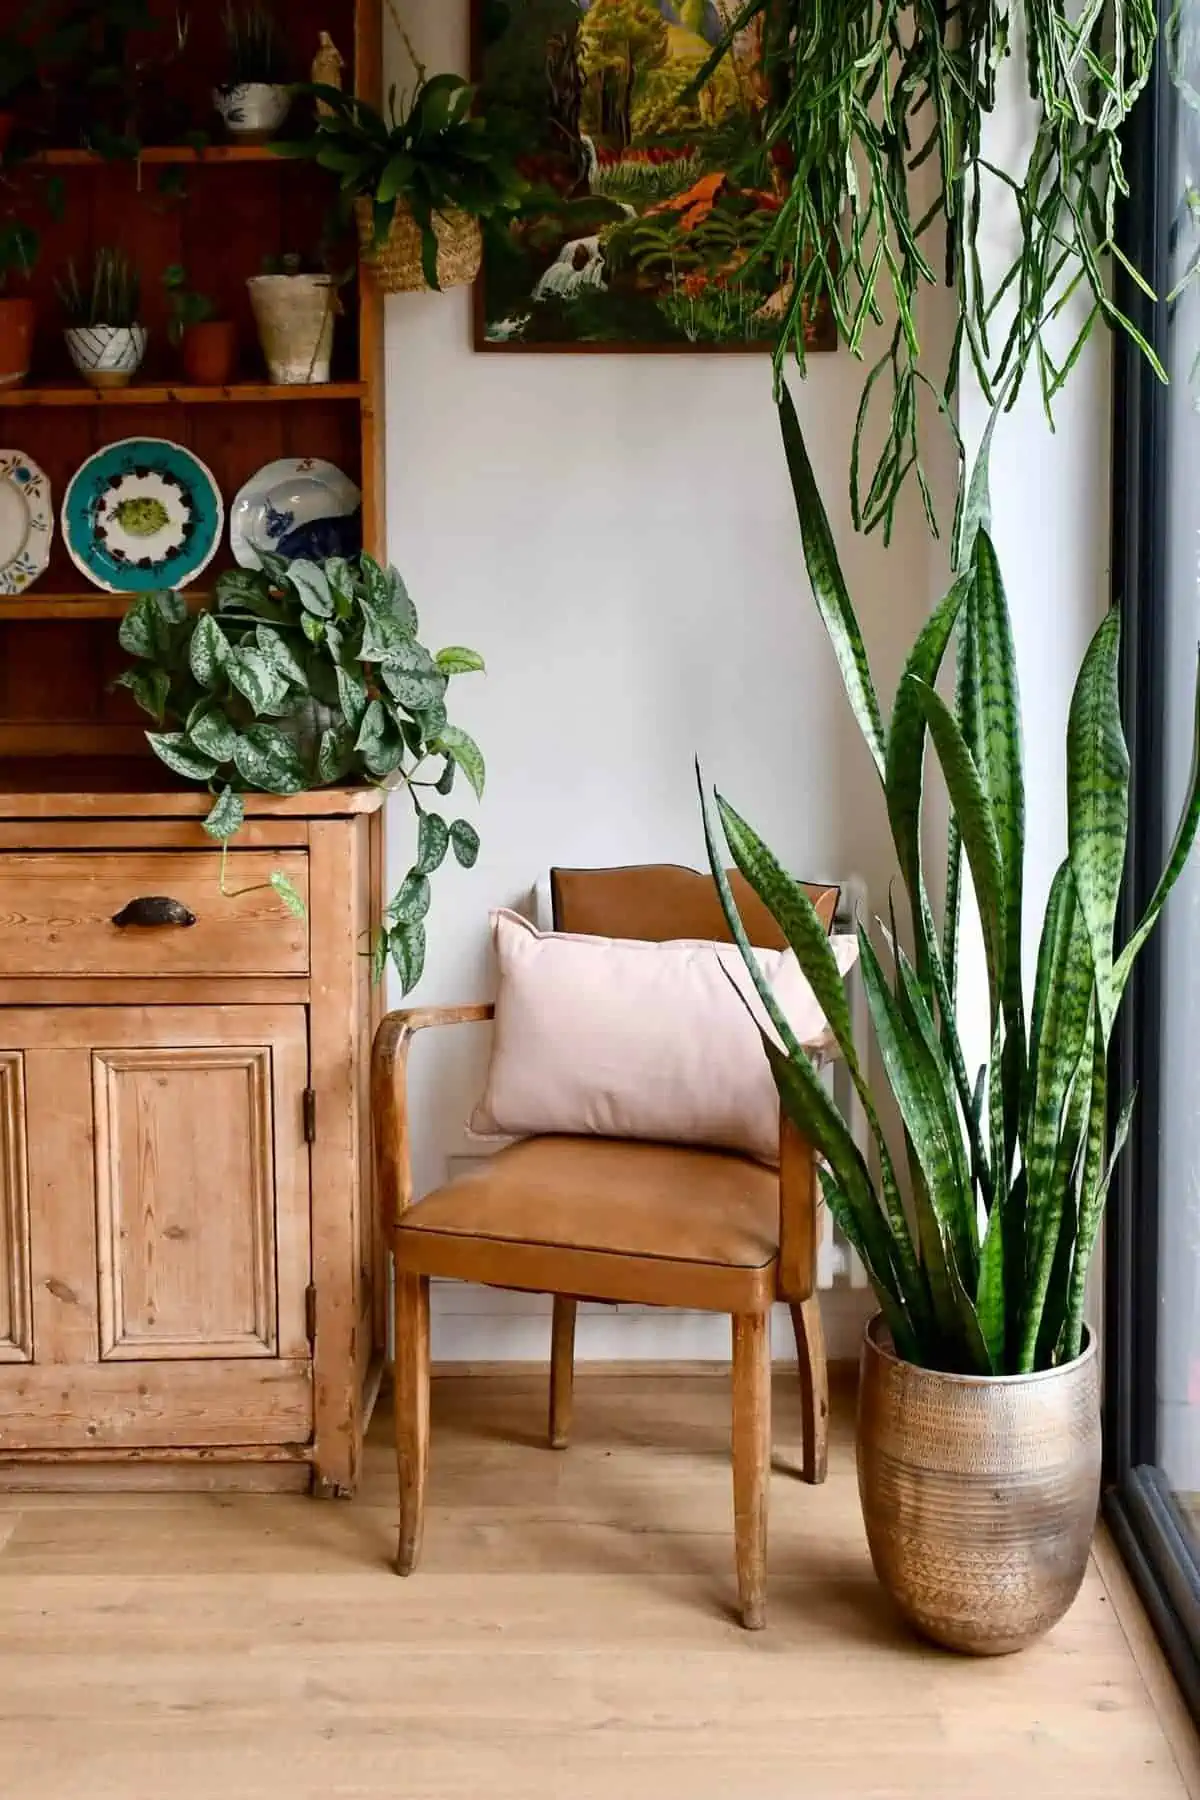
(607, 1220)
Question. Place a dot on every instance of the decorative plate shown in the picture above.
(296, 507)
(142, 514)
(26, 522)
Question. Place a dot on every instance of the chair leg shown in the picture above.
(562, 1372)
(814, 1387)
(412, 1412)
(751, 1460)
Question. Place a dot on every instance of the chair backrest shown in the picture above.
(657, 901)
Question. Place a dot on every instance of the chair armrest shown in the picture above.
(799, 1213)
(389, 1097)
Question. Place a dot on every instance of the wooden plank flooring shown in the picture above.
(568, 1636)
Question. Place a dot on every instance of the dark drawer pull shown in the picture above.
(154, 909)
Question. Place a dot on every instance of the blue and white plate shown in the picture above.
(142, 514)
(26, 522)
(298, 506)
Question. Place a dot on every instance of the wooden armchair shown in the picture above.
(590, 1218)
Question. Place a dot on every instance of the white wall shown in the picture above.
(617, 535)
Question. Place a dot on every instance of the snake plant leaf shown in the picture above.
(966, 712)
(973, 513)
(973, 809)
(935, 1265)
(821, 971)
(802, 1093)
(1063, 999)
(905, 758)
(999, 756)
(898, 1322)
(1093, 1191)
(1181, 848)
(989, 1291)
(1098, 803)
(1071, 1146)
(829, 586)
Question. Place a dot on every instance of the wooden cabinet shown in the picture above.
(191, 1279)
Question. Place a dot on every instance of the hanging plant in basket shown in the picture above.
(418, 180)
(308, 675)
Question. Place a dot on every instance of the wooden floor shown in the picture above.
(568, 1635)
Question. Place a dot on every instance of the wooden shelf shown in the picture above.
(251, 393)
(90, 605)
(160, 155)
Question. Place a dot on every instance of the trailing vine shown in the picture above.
(876, 112)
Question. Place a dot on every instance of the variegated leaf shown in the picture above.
(1098, 803)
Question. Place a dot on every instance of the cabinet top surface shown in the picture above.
(65, 788)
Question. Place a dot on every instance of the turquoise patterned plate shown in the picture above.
(26, 522)
(142, 514)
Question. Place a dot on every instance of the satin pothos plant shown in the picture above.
(305, 675)
(981, 1266)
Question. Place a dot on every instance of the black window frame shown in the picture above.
(1138, 1504)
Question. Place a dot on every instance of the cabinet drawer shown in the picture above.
(57, 914)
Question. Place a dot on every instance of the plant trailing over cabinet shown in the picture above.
(305, 675)
(875, 118)
(1010, 1167)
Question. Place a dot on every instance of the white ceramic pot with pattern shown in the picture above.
(107, 356)
(253, 110)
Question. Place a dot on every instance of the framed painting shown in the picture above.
(644, 224)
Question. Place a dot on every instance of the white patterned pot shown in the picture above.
(294, 315)
(107, 356)
(253, 109)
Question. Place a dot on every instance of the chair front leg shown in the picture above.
(751, 1460)
(562, 1371)
(814, 1387)
(412, 1412)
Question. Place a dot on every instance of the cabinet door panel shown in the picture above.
(16, 1330)
(185, 1202)
(169, 1234)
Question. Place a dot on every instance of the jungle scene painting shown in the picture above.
(650, 196)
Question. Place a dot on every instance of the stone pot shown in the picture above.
(107, 356)
(979, 1493)
(253, 110)
(17, 319)
(209, 352)
(295, 315)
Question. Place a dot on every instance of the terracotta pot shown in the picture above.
(979, 1493)
(209, 353)
(17, 319)
(295, 316)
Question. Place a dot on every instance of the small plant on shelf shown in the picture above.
(19, 250)
(254, 99)
(307, 675)
(208, 344)
(418, 179)
(102, 316)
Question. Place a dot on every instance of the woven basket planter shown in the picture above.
(396, 264)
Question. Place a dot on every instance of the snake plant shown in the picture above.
(982, 1269)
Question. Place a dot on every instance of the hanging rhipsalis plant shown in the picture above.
(307, 675)
(872, 134)
(1009, 1168)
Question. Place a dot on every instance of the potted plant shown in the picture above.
(105, 337)
(295, 310)
(19, 247)
(208, 345)
(979, 1429)
(418, 180)
(307, 675)
(255, 99)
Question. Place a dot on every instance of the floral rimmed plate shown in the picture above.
(142, 514)
(297, 506)
(26, 522)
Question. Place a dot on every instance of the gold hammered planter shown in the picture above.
(396, 263)
(979, 1493)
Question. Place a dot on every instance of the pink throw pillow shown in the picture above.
(614, 1037)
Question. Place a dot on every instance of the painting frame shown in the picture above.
(821, 336)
